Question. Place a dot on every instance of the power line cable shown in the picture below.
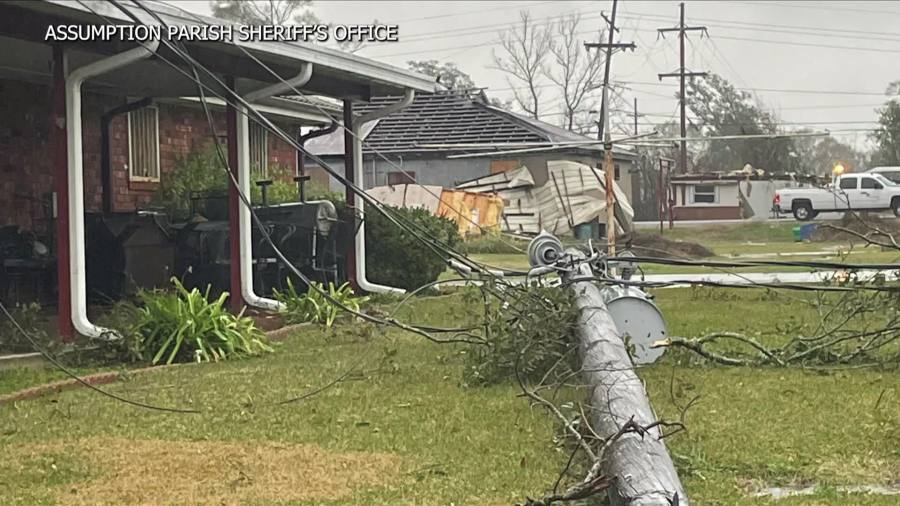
(371, 148)
(421, 330)
(68, 372)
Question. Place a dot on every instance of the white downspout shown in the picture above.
(245, 220)
(78, 285)
(359, 177)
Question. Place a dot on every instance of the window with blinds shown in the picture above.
(259, 156)
(143, 144)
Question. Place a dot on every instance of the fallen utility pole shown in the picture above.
(637, 462)
(631, 463)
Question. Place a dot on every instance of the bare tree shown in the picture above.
(575, 71)
(533, 53)
(524, 50)
(275, 12)
(268, 12)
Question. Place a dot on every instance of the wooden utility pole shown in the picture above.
(662, 193)
(635, 117)
(603, 127)
(682, 74)
(638, 464)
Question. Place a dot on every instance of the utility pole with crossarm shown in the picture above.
(682, 73)
(603, 125)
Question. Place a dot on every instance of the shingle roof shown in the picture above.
(447, 117)
(443, 118)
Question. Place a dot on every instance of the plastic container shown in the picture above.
(806, 231)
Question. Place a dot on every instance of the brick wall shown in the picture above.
(25, 155)
(26, 158)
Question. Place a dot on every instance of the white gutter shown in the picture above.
(359, 178)
(78, 285)
(245, 224)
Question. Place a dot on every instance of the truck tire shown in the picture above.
(895, 206)
(803, 211)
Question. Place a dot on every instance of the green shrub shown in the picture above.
(202, 172)
(186, 326)
(396, 257)
(313, 306)
(318, 191)
(533, 329)
(29, 317)
(283, 189)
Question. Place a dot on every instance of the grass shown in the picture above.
(433, 441)
(761, 241)
(452, 444)
(757, 231)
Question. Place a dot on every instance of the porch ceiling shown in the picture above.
(25, 55)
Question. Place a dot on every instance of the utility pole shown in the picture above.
(635, 117)
(603, 127)
(682, 74)
(662, 192)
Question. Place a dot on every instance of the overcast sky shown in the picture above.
(818, 64)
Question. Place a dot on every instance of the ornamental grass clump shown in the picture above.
(184, 325)
(314, 306)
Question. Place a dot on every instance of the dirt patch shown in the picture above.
(652, 245)
(160, 472)
(860, 225)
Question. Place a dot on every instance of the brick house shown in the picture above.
(55, 97)
(156, 136)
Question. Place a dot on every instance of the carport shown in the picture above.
(131, 70)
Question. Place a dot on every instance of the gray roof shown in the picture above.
(449, 118)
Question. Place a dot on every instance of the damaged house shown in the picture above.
(456, 139)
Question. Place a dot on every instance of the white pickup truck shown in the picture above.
(857, 192)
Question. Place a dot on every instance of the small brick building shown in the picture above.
(58, 162)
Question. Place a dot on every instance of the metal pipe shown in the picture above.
(283, 86)
(245, 225)
(61, 205)
(359, 177)
(301, 177)
(78, 287)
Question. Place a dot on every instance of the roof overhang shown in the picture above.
(23, 25)
(274, 108)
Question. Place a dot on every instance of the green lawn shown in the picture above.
(745, 241)
(404, 430)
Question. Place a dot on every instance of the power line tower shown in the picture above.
(682, 74)
(603, 125)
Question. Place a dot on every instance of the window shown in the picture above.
(259, 154)
(143, 144)
(704, 194)
(394, 178)
(848, 183)
(870, 184)
(616, 172)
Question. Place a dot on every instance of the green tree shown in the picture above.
(447, 74)
(818, 155)
(452, 77)
(887, 135)
(720, 110)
